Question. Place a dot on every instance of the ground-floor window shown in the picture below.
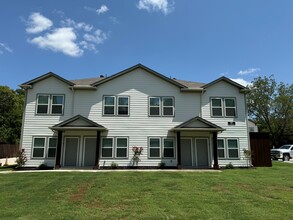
(119, 145)
(228, 148)
(161, 147)
(44, 147)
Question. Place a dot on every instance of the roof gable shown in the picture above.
(198, 123)
(77, 121)
(225, 79)
(123, 72)
(45, 76)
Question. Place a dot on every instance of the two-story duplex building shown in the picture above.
(94, 122)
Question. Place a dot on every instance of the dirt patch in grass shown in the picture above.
(220, 188)
(80, 193)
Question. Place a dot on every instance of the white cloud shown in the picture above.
(155, 5)
(248, 71)
(242, 81)
(59, 40)
(38, 23)
(77, 25)
(103, 9)
(88, 46)
(4, 47)
(98, 37)
(71, 38)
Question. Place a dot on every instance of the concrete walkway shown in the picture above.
(107, 171)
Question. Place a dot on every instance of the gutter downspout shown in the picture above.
(73, 101)
(23, 118)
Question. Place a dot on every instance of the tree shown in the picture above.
(11, 109)
(271, 106)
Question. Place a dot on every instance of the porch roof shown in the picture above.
(198, 124)
(78, 122)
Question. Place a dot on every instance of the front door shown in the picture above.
(71, 151)
(186, 156)
(202, 152)
(89, 158)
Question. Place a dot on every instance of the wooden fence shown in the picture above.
(8, 150)
(260, 148)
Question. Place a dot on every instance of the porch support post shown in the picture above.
(178, 150)
(58, 150)
(215, 150)
(98, 149)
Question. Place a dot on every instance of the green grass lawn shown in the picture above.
(261, 193)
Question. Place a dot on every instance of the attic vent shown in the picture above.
(231, 123)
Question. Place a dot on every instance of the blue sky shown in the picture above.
(196, 40)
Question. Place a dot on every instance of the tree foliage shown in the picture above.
(11, 109)
(270, 104)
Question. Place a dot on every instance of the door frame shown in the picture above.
(82, 155)
(208, 150)
(194, 159)
(77, 153)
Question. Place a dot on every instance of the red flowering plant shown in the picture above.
(136, 153)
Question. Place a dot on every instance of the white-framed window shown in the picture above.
(49, 104)
(232, 145)
(116, 105)
(221, 148)
(121, 147)
(228, 148)
(107, 147)
(123, 105)
(169, 148)
(154, 147)
(115, 147)
(161, 106)
(168, 106)
(109, 105)
(39, 145)
(52, 146)
(161, 147)
(223, 107)
(44, 147)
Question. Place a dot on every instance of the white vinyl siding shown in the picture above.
(223, 107)
(50, 104)
(161, 106)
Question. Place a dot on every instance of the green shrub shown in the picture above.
(162, 165)
(114, 165)
(229, 166)
(43, 167)
(21, 158)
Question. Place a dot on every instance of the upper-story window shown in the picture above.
(116, 105)
(50, 104)
(223, 107)
(161, 106)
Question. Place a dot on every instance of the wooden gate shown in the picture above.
(260, 148)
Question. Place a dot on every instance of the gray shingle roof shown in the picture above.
(87, 81)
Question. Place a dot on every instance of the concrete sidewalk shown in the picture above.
(111, 170)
